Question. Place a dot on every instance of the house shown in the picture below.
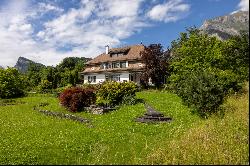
(116, 64)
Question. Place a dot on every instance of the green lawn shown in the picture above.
(29, 137)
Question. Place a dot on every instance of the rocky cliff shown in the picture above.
(23, 64)
(228, 25)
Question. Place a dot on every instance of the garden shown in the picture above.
(206, 97)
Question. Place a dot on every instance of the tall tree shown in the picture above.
(156, 64)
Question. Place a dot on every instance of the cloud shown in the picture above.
(43, 7)
(47, 33)
(172, 10)
(244, 5)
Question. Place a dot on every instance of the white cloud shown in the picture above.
(172, 10)
(46, 7)
(244, 5)
(81, 31)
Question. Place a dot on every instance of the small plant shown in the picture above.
(76, 98)
(129, 100)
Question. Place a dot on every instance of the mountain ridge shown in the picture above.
(228, 25)
(23, 63)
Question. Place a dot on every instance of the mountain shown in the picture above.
(23, 64)
(1, 67)
(225, 26)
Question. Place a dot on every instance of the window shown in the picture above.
(91, 79)
(120, 54)
(114, 55)
(107, 78)
(117, 55)
(115, 77)
(123, 65)
(104, 66)
(116, 65)
(113, 65)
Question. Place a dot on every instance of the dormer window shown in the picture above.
(114, 55)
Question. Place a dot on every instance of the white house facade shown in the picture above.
(117, 64)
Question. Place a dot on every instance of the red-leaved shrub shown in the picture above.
(75, 98)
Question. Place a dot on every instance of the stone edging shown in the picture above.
(62, 115)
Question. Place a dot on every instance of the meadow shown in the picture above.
(30, 137)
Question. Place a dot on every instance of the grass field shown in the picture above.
(29, 137)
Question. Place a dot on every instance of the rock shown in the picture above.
(225, 26)
(97, 110)
(152, 116)
(23, 64)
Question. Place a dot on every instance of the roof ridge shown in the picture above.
(132, 50)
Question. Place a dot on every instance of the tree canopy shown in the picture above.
(156, 64)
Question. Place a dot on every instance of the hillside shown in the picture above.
(228, 25)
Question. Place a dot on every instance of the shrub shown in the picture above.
(204, 69)
(129, 100)
(11, 83)
(112, 93)
(45, 86)
(204, 90)
(75, 98)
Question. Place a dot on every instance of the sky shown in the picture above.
(46, 31)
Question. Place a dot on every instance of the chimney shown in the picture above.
(107, 49)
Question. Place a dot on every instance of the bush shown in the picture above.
(76, 98)
(204, 69)
(112, 93)
(44, 87)
(129, 100)
(11, 83)
(204, 90)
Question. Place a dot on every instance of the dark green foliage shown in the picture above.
(72, 63)
(129, 100)
(112, 93)
(156, 64)
(44, 87)
(204, 69)
(201, 90)
(76, 98)
(64, 74)
(11, 83)
(236, 55)
(34, 75)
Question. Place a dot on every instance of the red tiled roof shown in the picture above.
(133, 53)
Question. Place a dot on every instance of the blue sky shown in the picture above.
(47, 31)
